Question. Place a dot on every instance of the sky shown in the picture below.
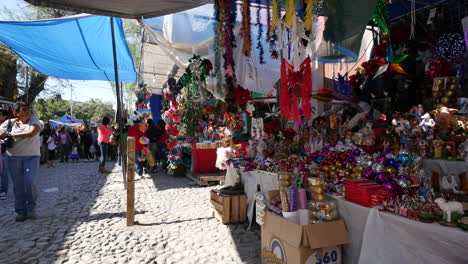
(83, 90)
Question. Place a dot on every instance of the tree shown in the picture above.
(55, 107)
(51, 108)
(94, 110)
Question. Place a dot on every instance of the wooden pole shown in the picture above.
(117, 88)
(130, 181)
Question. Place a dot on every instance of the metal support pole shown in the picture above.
(117, 87)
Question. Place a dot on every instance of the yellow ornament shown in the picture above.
(333, 168)
(390, 170)
(326, 168)
(444, 100)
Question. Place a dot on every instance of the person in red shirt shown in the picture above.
(136, 132)
(161, 140)
(104, 133)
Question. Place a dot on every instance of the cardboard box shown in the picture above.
(286, 242)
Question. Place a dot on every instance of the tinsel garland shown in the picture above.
(268, 8)
(260, 33)
(380, 16)
(229, 17)
(290, 12)
(274, 25)
(247, 42)
(275, 18)
(308, 19)
(216, 46)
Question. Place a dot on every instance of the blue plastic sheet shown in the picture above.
(75, 48)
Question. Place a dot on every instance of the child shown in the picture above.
(92, 151)
(74, 154)
(51, 148)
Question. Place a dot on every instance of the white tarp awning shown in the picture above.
(122, 8)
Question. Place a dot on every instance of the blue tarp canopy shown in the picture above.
(66, 121)
(75, 48)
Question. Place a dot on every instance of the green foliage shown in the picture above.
(94, 110)
(55, 107)
(51, 108)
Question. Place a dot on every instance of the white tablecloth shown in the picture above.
(377, 237)
(251, 179)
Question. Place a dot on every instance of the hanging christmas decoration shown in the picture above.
(273, 35)
(380, 16)
(308, 18)
(216, 46)
(290, 12)
(268, 8)
(295, 86)
(247, 41)
(229, 18)
(275, 15)
(260, 33)
(450, 46)
(342, 86)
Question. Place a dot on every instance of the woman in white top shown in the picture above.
(23, 158)
(51, 148)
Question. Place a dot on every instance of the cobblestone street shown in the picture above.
(81, 219)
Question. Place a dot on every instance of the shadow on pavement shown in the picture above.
(66, 195)
(173, 222)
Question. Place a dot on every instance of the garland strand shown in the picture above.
(260, 33)
(290, 12)
(268, 33)
(247, 43)
(380, 16)
(229, 42)
(275, 18)
(216, 46)
(309, 14)
(274, 26)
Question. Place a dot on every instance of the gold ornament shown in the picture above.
(444, 100)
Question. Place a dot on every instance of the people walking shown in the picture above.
(23, 158)
(51, 146)
(4, 173)
(104, 134)
(65, 142)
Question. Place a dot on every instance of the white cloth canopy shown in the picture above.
(122, 8)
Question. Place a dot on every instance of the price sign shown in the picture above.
(330, 255)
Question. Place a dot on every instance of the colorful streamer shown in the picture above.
(216, 46)
(308, 19)
(247, 42)
(290, 12)
(260, 33)
(275, 17)
(380, 16)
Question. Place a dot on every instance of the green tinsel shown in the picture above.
(380, 16)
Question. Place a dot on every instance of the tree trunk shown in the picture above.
(8, 84)
(37, 85)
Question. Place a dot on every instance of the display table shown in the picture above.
(375, 237)
(204, 161)
(379, 237)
